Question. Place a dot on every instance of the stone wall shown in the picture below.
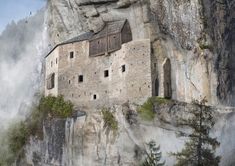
(52, 67)
(190, 77)
(134, 84)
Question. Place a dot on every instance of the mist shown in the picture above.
(22, 46)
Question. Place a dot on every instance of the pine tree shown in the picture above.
(153, 155)
(200, 149)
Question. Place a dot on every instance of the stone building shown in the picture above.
(90, 73)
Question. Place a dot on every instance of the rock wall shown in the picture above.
(84, 141)
(220, 25)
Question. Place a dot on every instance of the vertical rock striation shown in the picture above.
(220, 24)
(84, 141)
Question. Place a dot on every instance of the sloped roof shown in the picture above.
(82, 37)
(110, 28)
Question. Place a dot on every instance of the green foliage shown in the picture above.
(161, 100)
(56, 106)
(146, 111)
(6, 156)
(205, 46)
(153, 155)
(19, 133)
(109, 119)
(200, 149)
(12, 143)
(17, 137)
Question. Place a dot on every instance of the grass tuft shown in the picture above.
(109, 119)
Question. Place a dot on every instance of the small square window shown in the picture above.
(94, 97)
(80, 78)
(71, 55)
(123, 68)
(106, 73)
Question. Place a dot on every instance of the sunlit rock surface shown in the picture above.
(84, 141)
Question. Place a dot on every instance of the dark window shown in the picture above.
(71, 55)
(56, 60)
(80, 78)
(106, 73)
(51, 81)
(123, 68)
(94, 97)
(69, 81)
(156, 87)
(155, 65)
(51, 63)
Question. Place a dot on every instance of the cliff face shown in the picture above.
(84, 141)
(220, 25)
(181, 20)
(197, 36)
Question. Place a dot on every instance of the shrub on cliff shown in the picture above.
(110, 122)
(12, 143)
(56, 106)
(17, 136)
(146, 111)
(19, 133)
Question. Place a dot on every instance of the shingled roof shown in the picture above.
(110, 28)
(82, 37)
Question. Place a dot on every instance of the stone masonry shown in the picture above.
(122, 76)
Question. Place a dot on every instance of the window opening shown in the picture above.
(71, 55)
(80, 78)
(106, 73)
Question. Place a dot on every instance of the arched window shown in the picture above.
(51, 81)
(156, 87)
(167, 78)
